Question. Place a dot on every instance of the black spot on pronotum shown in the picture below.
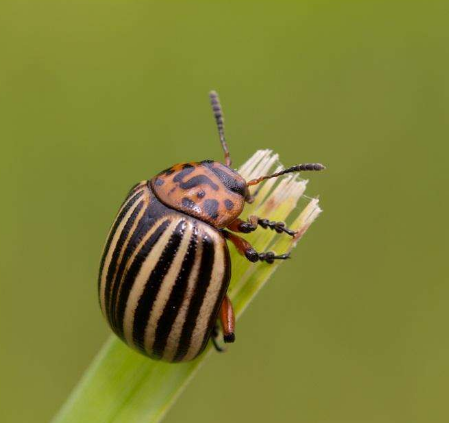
(232, 183)
(158, 182)
(198, 180)
(183, 173)
(200, 194)
(210, 207)
(187, 202)
(168, 172)
(228, 204)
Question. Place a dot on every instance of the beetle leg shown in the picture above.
(227, 323)
(239, 225)
(227, 320)
(246, 249)
(279, 227)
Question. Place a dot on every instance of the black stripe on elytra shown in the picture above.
(133, 188)
(224, 287)
(187, 169)
(144, 225)
(120, 217)
(229, 181)
(111, 280)
(202, 283)
(198, 180)
(210, 207)
(153, 285)
(132, 273)
(176, 298)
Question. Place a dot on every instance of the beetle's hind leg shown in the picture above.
(246, 249)
(253, 222)
(227, 320)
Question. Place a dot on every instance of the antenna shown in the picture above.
(297, 168)
(218, 114)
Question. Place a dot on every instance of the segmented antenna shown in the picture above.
(218, 114)
(297, 168)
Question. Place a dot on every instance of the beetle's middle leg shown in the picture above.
(246, 249)
(253, 222)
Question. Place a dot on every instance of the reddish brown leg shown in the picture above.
(246, 249)
(227, 323)
(227, 320)
(239, 225)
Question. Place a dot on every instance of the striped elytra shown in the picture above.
(163, 277)
(165, 268)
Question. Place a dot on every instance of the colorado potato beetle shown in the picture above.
(165, 268)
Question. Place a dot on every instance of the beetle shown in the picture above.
(165, 269)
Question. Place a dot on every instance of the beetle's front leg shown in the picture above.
(239, 225)
(246, 249)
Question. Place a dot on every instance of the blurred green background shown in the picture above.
(95, 97)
